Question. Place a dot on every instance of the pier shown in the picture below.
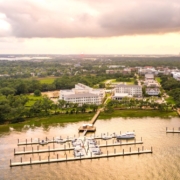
(90, 127)
(173, 130)
(66, 159)
(37, 150)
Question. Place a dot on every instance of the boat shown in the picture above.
(43, 142)
(104, 137)
(77, 142)
(78, 151)
(61, 140)
(128, 135)
(91, 142)
(96, 151)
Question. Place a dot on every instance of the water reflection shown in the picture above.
(162, 164)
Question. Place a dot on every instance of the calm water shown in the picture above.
(163, 164)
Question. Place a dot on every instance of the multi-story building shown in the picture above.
(83, 94)
(153, 91)
(129, 90)
(149, 77)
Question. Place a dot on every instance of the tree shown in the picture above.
(37, 92)
(7, 91)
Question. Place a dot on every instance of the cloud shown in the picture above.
(87, 18)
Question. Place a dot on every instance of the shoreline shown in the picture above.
(70, 118)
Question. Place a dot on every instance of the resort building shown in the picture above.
(83, 94)
(123, 90)
(153, 91)
(149, 77)
(176, 75)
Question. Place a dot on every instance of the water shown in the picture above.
(163, 164)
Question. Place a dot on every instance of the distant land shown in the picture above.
(17, 57)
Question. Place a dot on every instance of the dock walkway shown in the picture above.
(33, 151)
(173, 131)
(93, 120)
(79, 158)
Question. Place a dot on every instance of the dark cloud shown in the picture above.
(88, 18)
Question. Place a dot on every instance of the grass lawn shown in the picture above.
(32, 100)
(47, 80)
(158, 79)
(136, 113)
(170, 100)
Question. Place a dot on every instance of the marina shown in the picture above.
(142, 166)
(107, 155)
(84, 147)
(38, 150)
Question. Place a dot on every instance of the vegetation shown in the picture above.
(20, 78)
(172, 87)
(137, 113)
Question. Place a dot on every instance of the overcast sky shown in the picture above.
(90, 26)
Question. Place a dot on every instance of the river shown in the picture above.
(162, 164)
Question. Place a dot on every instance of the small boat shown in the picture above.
(104, 137)
(61, 140)
(113, 135)
(43, 142)
(128, 135)
(96, 151)
(91, 142)
(78, 153)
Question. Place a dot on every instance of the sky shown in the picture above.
(90, 27)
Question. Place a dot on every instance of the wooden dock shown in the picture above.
(93, 120)
(37, 142)
(33, 151)
(66, 159)
(87, 128)
(92, 128)
(173, 130)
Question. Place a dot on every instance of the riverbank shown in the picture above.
(66, 118)
(137, 113)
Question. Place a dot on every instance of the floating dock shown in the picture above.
(33, 151)
(107, 155)
(173, 131)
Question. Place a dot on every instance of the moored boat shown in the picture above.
(43, 142)
(128, 135)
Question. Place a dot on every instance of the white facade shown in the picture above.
(120, 96)
(83, 94)
(176, 75)
(132, 90)
(153, 91)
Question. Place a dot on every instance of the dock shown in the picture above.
(33, 151)
(173, 130)
(66, 159)
(37, 142)
(93, 120)
(90, 127)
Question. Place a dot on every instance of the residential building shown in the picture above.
(149, 77)
(83, 94)
(153, 91)
(130, 90)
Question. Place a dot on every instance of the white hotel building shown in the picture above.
(123, 90)
(83, 94)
